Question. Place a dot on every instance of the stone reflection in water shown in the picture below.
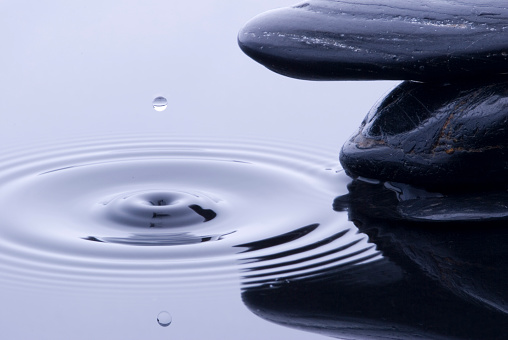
(399, 201)
(278, 260)
(439, 278)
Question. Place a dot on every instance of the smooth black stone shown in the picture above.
(435, 281)
(432, 135)
(383, 39)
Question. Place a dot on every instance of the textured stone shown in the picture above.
(383, 39)
(426, 134)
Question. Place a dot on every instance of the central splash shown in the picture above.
(159, 209)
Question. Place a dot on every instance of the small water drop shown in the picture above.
(160, 104)
(278, 283)
(164, 319)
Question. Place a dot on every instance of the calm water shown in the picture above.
(213, 215)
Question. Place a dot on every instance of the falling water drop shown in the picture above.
(164, 319)
(160, 104)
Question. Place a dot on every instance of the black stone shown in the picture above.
(434, 135)
(382, 39)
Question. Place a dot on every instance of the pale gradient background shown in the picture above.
(90, 68)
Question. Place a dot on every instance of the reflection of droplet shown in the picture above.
(160, 104)
(278, 283)
(164, 319)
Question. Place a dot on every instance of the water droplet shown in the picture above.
(278, 283)
(164, 319)
(160, 104)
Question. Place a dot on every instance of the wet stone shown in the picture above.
(387, 39)
(434, 135)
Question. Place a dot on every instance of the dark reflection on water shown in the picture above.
(397, 201)
(279, 239)
(141, 216)
(441, 276)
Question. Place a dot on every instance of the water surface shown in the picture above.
(113, 212)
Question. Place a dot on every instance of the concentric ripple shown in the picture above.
(171, 212)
